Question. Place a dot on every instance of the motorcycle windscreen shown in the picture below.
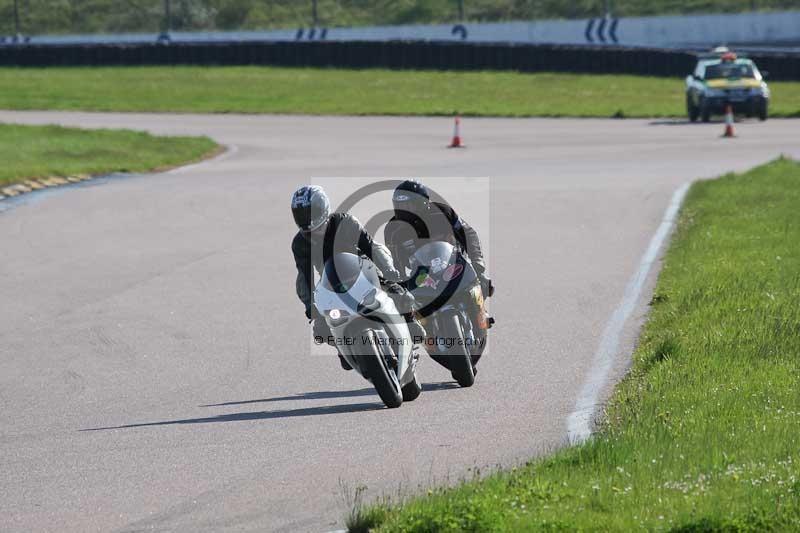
(346, 279)
(436, 255)
(439, 272)
(341, 272)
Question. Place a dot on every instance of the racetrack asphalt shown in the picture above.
(155, 369)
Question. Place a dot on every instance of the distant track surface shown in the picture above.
(154, 362)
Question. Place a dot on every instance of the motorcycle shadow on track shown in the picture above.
(316, 395)
(288, 413)
(325, 395)
(259, 415)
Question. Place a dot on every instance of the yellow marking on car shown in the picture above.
(734, 84)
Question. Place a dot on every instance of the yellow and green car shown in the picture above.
(725, 79)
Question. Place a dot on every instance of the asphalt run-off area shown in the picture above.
(156, 370)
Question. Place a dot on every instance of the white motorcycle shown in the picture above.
(367, 328)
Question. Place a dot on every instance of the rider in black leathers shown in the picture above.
(417, 219)
(323, 234)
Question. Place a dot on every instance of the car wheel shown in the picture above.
(763, 110)
(691, 109)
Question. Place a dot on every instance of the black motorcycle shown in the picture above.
(449, 302)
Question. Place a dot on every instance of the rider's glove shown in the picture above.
(402, 297)
(390, 274)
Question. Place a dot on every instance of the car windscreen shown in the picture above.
(728, 71)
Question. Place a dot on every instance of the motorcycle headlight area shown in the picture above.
(337, 316)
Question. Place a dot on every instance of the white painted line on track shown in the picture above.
(579, 422)
(230, 150)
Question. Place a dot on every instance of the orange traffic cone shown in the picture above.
(456, 142)
(728, 122)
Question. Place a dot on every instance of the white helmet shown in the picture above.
(310, 207)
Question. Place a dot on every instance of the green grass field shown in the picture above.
(704, 433)
(43, 151)
(353, 92)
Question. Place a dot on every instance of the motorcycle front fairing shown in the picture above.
(441, 282)
(350, 298)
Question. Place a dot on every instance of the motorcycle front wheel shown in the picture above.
(376, 366)
(460, 361)
(412, 391)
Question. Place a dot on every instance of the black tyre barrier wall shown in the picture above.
(391, 54)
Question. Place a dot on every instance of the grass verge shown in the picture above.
(704, 433)
(43, 151)
(353, 92)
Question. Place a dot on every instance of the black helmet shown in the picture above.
(310, 207)
(411, 196)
